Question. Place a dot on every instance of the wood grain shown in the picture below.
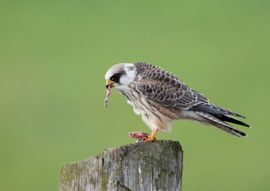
(143, 166)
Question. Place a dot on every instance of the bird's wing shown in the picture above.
(162, 87)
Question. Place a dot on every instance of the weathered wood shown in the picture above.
(143, 166)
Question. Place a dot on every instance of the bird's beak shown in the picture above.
(109, 83)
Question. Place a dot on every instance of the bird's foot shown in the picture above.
(149, 138)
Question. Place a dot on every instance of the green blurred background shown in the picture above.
(53, 58)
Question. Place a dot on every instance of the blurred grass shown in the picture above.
(53, 58)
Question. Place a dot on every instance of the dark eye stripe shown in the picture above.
(115, 77)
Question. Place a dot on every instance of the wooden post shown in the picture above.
(143, 166)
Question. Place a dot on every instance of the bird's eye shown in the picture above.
(115, 78)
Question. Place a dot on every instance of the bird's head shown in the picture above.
(120, 76)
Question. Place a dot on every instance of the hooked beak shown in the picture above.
(109, 84)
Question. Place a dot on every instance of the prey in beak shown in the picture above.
(109, 85)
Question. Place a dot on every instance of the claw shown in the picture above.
(149, 138)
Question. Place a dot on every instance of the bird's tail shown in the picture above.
(218, 117)
(219, 121)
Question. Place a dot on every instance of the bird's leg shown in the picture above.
(152, 136)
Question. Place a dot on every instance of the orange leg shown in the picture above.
(152, 136)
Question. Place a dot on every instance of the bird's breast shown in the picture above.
(149, 113)
(136, 110)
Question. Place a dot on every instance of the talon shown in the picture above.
(149, 138)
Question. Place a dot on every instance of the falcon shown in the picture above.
(159, 97)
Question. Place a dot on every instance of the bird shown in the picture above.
(160, 97)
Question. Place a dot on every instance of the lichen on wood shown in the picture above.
(143, 166)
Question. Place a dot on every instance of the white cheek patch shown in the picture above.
(129, 77)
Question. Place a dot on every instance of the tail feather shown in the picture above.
(221, 124)
(231, 120)
(213, 109)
